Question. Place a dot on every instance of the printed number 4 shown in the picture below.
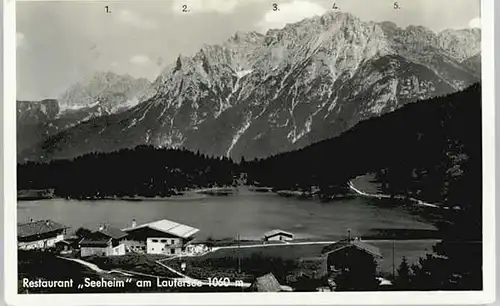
(335, 7)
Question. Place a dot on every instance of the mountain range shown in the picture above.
(101, 94)
(256, 95)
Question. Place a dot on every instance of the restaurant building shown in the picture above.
(42, 234)
(158, 237)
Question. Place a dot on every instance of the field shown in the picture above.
(282, 260)
(236, 264)
(141, 263)
(286, 252)
(411, 249)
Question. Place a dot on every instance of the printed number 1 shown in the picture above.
(106, 9)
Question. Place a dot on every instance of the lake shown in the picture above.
(248, 214)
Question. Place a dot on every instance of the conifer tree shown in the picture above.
(404, 273)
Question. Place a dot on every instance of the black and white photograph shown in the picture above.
(249, 146)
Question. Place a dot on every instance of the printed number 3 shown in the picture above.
(275, 7)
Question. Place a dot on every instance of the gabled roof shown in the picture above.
(360, 245)
(266, 283)
(101, 238)
(112, 232)
(275, 232)
(89, 242)
(37, 228)
(167, 226)
(95, 239)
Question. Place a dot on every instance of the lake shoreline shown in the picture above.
(247, 214)
(201, 193)
(198, 193)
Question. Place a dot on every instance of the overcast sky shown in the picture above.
(59, 43)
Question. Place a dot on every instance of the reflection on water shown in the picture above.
(248, 214)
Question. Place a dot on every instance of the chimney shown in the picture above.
(348, 236)
(47, 222)
(101, 227)
(31, 220)
(134, 224)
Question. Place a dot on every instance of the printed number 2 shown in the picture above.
(185, 9)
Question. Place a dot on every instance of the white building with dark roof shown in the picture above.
(107, 241)
(40, 234)
(159, 237)
(278, 235)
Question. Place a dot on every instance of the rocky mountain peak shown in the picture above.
(260, 94)
(328, 22)
(107, 88)
(462, 44)
(246, 37)
(422, 42)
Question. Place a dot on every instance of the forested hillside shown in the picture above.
(143, 171)
(430, 150)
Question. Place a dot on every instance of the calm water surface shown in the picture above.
(248, 214)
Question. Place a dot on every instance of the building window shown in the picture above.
(152, 249)
(172, 251)
(162, 249)
(163, 240)
(155, 240)
(172, 241)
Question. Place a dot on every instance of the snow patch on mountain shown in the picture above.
(238, 134)
(242, 73)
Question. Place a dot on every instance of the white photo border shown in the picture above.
(9, 179)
